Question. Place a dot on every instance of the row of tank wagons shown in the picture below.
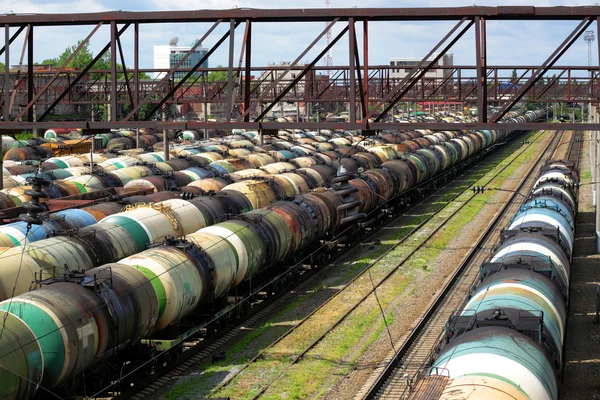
(404, 173)
(116, 140)
(119, 140)
(155, 288)
(508, 341)
(41, 148)
(75, 177)
(211, 153)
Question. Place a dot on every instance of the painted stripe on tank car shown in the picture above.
(136, 229)
(47, 332)
(157, 285)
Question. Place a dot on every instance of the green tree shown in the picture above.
(514, 76)
(84, 57)
(217, 76)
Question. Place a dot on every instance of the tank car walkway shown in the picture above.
(582, 356)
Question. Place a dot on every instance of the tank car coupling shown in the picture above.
(34, 207)
(348, 193)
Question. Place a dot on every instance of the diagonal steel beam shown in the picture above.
(13, 37)
(17, 82)
(238, 74)
(196, 79)
(165, 79)
(80, 76)
(514, 83)
(564, 46)
(230, 76)
(331, 82)
(551, 84)
(418, 71)
(301, 74)
(274, 83)
(129, 93)
(187, 75)
(352, 70)
(60, 70)
(361, 89)
(444, 81)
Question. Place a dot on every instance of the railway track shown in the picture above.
(574, 150)
(201, 351)
(397, 378)
(340, 306)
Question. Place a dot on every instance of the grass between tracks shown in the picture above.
(338, 353)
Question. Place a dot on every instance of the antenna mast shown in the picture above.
(328, 59)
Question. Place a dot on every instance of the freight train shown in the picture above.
(130, 231)
(51, 335)
(507, 343)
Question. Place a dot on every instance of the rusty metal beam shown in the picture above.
(301, 74)
(6, 73)
(448, 77)
(30, 77)
(171, 71)
(136, 66)
(79, 76)
(565, 45)
(113, 71)
(17, 83)
(405, 85)
(552, 83)
(366, 68)
(187, 75)
(480, 51)
(13, 37)
(359, 82)
(61, 69)
(309, 15)
(125, 73)
(247, 69)
(230, 70)
(289, 68)
(18, 126)
(352, 72)
(238, 76)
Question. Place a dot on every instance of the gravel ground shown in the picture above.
(582, 356)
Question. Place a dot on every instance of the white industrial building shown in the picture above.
(166, 57)
(400, 67)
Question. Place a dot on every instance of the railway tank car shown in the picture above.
(149, 290)
(509, 338)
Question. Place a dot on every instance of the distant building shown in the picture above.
(278, 71)
(400, 67)
(168, 56)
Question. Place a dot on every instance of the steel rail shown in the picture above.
(391, 370)
(348, 285)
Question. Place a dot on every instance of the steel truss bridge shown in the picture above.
(369, 92)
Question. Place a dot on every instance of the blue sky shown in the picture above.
(508, 43)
